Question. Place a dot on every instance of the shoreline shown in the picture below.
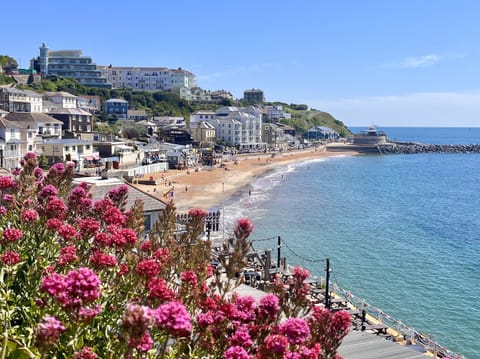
(211, 188)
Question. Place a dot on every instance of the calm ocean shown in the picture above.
(401, 231)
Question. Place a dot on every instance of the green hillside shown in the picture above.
(304, 118)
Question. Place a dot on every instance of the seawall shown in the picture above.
(403, 148)
(412, 148)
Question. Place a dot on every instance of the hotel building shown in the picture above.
(149, 78)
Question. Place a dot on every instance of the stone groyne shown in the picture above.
(412, 148)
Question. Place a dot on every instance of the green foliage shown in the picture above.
(5, 80)
(132, 130)
(304, 119)
(8, 63)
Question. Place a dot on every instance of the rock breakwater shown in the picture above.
(412, 148)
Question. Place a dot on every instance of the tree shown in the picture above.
(8, 63)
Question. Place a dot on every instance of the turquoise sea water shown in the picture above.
(401, 231)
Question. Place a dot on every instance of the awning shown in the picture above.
(89, 158)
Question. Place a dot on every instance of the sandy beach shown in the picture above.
(209, 188)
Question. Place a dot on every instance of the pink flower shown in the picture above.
(56, 208)
(102, 205)
(113, 216)
(48, 191)
(300, 273)
(8, 198)
(11, 258)
(204, 320)
(87, 314)
(146, 246)
(76, 198)
(241, 338)
(82, 287)
(88, 226)
(197, 213)
(162, 255)
(48, 331)
(7, 182)
(136, 320)
(117, 195)
(123, 269)
(103, 238)
(236, 352)
(68, 232)
(268, 306)
(174, 318)
(189, 277)
(143, 344)
(100, 259)
(159, 289)
(57, 169)
(3, 210)
(29, 215)
(38, 173)
(129, 235)
(12, 234)
(244, 227)
(276, 343)
(295, 329)
(30, 156)
(85, 353)
(53, 285)
(244, 308)
(54, 223)
(148, 268)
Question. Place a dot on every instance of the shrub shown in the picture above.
(78, 282)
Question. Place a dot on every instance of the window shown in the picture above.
(147, 222)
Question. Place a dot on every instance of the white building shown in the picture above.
(70, 64)
(12, 147)
(16, 100)
(201, 115)
(60, 100)
(239, 127)
(148, 78)
(275, 113)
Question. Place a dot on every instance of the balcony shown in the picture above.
(11, 154)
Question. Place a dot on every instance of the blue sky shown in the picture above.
(382, 62)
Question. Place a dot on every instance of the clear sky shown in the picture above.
(382, 62)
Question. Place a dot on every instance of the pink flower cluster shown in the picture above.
(76, 289)
(85, 353)
(48, 331)
(11, 258)
(12, 234)
(88, 262)
(29, 215)
(243, 228)
(197, 213)
(174, 319)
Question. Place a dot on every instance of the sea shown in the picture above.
(400, 231)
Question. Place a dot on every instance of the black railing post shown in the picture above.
(279, 245)
(327, 279)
